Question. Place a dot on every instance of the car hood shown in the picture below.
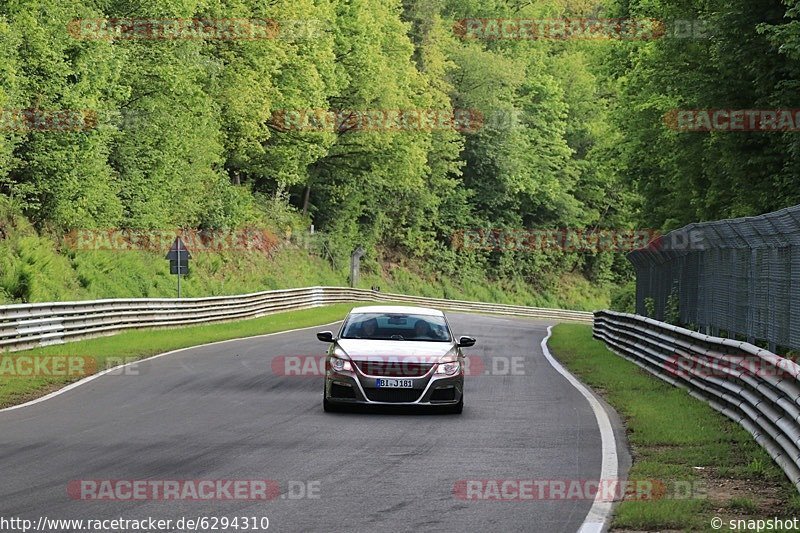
(363, 350)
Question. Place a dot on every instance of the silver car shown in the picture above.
(395, 355)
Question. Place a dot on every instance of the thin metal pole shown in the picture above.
(178, 246)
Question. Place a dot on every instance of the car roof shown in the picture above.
(400, 309)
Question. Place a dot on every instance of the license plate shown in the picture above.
(394, 384)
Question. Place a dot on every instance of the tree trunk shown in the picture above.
(306, 198)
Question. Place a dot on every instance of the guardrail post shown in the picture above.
(355, 265)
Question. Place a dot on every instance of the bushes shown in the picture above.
(623, 298)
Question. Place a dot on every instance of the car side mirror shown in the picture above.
(325, 336)
(466, 342)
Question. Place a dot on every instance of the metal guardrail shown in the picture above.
(25, 326)
(752, 386)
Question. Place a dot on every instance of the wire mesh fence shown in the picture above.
(739, 278)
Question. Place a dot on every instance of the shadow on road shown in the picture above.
(390, 410)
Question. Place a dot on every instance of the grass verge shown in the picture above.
(107, 352)
(709, 465)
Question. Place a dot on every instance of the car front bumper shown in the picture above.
(356, 388)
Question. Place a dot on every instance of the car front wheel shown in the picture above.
(327, 406)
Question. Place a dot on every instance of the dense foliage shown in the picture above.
(718, 54)
(572, 135)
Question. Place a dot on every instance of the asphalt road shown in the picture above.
(222, 412)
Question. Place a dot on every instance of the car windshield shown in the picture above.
(396, 326)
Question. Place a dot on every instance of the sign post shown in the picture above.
(178, 257)
(355, 265)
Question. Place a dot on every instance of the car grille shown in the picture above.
(394, 369)
(393, 395)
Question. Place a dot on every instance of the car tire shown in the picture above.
(333, 407)
(328, 407)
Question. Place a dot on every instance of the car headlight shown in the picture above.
(340, 365)
(448, 369)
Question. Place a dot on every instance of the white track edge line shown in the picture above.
(87, 379)
(600, 513)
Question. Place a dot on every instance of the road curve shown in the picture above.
(222, 412)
